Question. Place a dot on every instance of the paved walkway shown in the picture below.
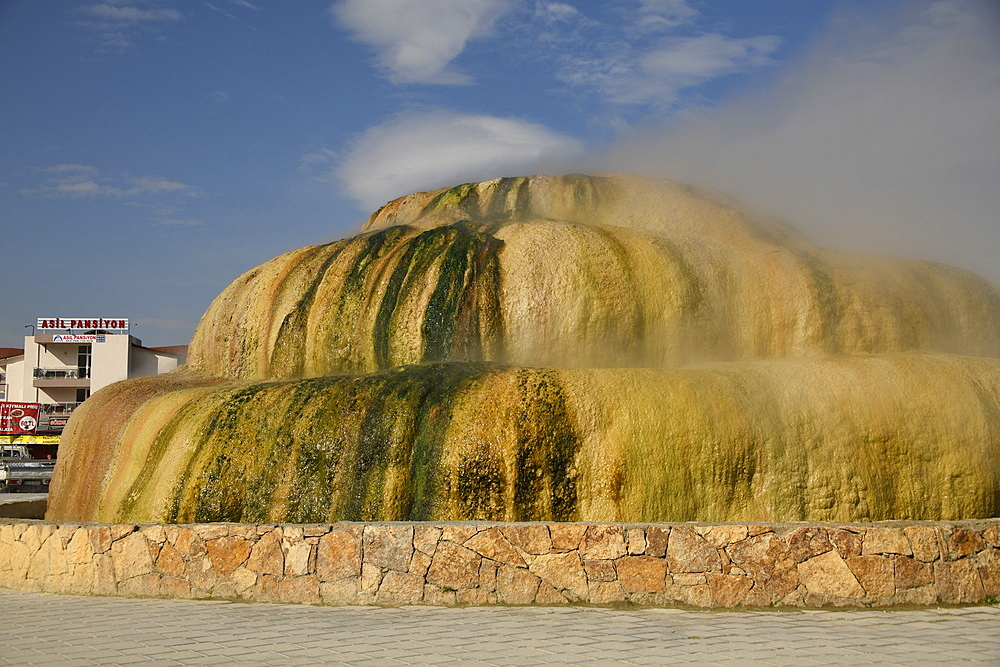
(43, 629)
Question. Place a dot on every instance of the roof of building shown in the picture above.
(179, 351)
(8, 352)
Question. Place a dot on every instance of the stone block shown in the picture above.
(297, 558)
(472, 597)
(437, 596)
(516, 585)
(687, 551)
(766, 560)
(923, 542)
(118, 531)
(605, 542)
(266, 589)
(531, 538)
(563, 571)
(227, 554)
(566, 536)
(963, 542)
(846, 542)
(105, 581)
(425, 539)
(100, 539)
(454, 567)
(154, 533)
(688, 579)
(992, 535)
(721, 536)
(299, 590)
(211, 531)
(488, 576)
(958, 582)
(340, 592)
(728, 590)
(315, 530)
(656, 541)
(695, 596)
(400, 588)
(875, 574)
(642, 574)
(922, 595)
(988, 562)
(492, 544)
(606, 592)
(169, 562)
(266, 555)
(80, 550)
(885, 541)
(388, 546)
(828, 575)
(807, 542)
(201, 574)
(756, 597)
(910, 573)
(547, 594)
(293, 532)
(338, 554)
(143, 586)
(371, 577)
(175, 587)
(419, 563)
(244, 580)
(600, 570)
(635, 538)
(131, 557)
(189, 544)
(458, 532)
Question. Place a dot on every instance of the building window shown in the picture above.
(83, 356)
(82, 395)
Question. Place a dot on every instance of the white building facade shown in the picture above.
(66, 360)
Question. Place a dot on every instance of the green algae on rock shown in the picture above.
(605, 348)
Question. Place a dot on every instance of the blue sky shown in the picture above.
(153, 150)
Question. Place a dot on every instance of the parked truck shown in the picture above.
(20, 472)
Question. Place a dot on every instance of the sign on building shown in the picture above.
(63, 323)
(18, 418)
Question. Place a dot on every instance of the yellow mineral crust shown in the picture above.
(569, 348)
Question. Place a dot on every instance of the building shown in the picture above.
(65, 360)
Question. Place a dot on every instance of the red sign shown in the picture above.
(18, 418)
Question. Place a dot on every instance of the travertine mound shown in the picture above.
(606, 348)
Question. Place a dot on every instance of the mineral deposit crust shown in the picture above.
(597, 348)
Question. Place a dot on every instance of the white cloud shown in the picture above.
(416, 40)
(177, 222)
(886, 137)
(661, 73)
(83, 181)
(117, 24)
(660, 14)
(420, 151)
(126, 14)
(651, 58)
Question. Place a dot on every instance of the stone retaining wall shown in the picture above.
(704, 565)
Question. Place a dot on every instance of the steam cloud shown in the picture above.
(885, 138)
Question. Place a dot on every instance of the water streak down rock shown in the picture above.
(598, 348)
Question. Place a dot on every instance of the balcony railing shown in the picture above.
(59, 408)
(62, 373)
